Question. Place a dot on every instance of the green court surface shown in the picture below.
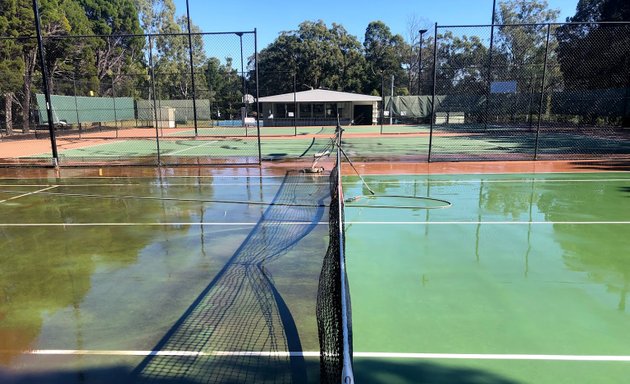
(98, 275)
(458, 143)
(524, 279)
(301, 130)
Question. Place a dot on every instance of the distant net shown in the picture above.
(333, 300)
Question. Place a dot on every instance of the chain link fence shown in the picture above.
(134, 99)
(489, 92)
(533, 91)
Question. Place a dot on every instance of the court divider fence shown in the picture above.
(477, 92)
(132, 100)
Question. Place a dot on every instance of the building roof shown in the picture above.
(318, 95)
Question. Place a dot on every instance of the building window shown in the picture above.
(305, 111)
(318, 110)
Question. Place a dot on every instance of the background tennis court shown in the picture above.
(240, 145)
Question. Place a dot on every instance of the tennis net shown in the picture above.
(333, 300)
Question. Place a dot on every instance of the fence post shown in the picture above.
(542, 92)
(257, 97)
(155, 116)
(294, 104)
(192, 68)
(435, 39)
(76, 104)
(42, 63)
(382, 99)
(114, 103)
(489, 78)
(391, 101)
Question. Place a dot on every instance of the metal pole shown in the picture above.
(489, 78)
(435, 39)
(155, 116)
(114, 102)
(76, 104)
(294, 105)
(192, 69)
(240, 36)
(382, 100)
(257, 96)
(542, 93)
(42, 63)
(391, 101)
(422, 32)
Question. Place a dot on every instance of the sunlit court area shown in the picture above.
(192, 194)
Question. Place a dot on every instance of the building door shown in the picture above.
(362, 115)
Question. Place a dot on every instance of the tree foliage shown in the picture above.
(385, 54)
(320, 57)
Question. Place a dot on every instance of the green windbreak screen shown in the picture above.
(82, 109)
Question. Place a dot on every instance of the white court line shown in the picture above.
(498, 173)
(28, 194)
(269, 223)
(486, 222)
(227, 224)
(187, 149)
(476, 181)
(380, 355)
(491, 356)
(165, 184)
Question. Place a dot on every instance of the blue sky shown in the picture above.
(270, 17)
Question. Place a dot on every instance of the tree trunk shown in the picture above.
(29, 60)
(8, 112)
(26, 106)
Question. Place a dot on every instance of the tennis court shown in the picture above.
(524, 279)
(161, 279)
(229, 145)
(211, 275)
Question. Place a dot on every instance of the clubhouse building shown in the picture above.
(319, 107)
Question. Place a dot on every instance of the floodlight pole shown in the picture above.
(192, 68)
(422, 32)
(42, 63)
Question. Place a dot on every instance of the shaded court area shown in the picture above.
(524, 279)
(163, 278)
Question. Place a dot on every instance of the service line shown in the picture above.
(373, 355)
(28, 194)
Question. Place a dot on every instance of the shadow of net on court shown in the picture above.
(239, 329)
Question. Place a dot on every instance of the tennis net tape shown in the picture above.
(333, 300)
